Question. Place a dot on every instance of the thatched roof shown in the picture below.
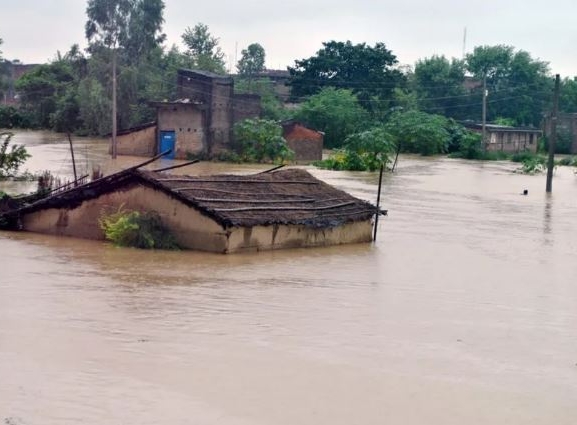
(290, 196)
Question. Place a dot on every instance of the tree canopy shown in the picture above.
(368, 71)
(438, 84)
(336, 112)
(203, 49)
(251, 61)
(519, 87)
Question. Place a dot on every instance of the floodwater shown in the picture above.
(463, 312)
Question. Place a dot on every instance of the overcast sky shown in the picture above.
(33, 30)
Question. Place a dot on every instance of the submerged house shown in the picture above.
(221, 213)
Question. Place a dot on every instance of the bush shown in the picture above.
(419, 132)
(10, 117)
(568, 161)
(261, 141)
(364, 151)
(523, 156)
(137, 229)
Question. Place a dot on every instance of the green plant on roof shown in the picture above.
(136, 229)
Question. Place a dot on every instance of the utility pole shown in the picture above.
(553, 137)
(114, 130)
(484, 111)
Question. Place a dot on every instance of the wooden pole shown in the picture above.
(553, 136)
(396, 157)
(73, 160)
(378, 203)
(186, 164)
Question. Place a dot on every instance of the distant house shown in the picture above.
(14, 70)
(222, 213)
(306, 143)
(507, 139)
(200, 121)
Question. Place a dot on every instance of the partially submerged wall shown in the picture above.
(513, 141)
(260, 238)
(188, 121)
(141, 142)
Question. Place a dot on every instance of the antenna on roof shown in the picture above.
(464, 42)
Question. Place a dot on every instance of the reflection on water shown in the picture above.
(463, 312)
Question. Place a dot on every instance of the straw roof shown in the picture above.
(291, 196)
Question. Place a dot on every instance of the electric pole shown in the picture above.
(553, 136)
(484, 131)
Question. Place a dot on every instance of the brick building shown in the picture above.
(306, 143)
(200, 122)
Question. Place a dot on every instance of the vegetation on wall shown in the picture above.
(136, 229)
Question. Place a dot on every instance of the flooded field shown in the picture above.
(463, 312)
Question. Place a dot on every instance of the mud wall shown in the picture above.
(137, 143)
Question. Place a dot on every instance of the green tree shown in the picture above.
(251, 61)
(419, 132)
(3, 73)
(336, 112)
(132, 24)
(40, 89)
(364, 151)
(519, 87)
(368, 71)
(203, 49)
(438, 84)
(144, 30)
(11, 156)
(261, 141)
(272, 107)
(568, 95)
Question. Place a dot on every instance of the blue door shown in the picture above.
(167, 141)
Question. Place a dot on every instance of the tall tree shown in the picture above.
(438, 84)
(336, 112)
(132, 24)
(203, 49)
(251, 61)
(368, 71)
(568, 99)
(518, 86)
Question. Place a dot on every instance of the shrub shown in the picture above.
(137, 229)
(261, 141)
(364, 151)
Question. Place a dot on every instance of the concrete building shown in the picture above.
(507, 139)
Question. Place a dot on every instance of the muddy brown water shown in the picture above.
(463, 312)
